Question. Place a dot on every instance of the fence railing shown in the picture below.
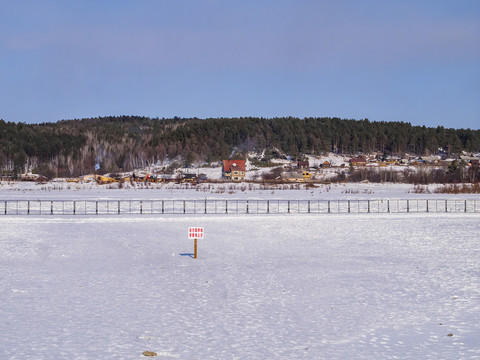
(107, 207)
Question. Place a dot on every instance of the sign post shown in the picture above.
(195, 233)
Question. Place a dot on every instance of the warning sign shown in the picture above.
(196, 233)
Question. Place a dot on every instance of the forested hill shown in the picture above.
(73, 147)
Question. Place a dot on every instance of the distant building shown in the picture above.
(302, 165)
(430, 159)
(296, 177)
(361, 161)
(470, 160)
(234, 170)
(89, 177)
(292, 177)
(191, 178)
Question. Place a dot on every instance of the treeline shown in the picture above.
(123, 143)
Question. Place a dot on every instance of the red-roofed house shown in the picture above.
(234, 170)
(360, 161)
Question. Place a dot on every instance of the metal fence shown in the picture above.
(107, 207)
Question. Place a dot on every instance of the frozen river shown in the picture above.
(273, 286)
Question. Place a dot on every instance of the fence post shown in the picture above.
(205, 206)
(328, 206)
(446, 205)
(288, 206)
(184, 206)
(226, 206)
(74, 207)
(349, 206)
(309, 206)
(118, 207)
(141, 207)
(408, 205)
(5, 207)
(268, 206)
(465, 205)
(51, 207)
(368, 201)
(388, 205)
(28, 207)
(247, 206)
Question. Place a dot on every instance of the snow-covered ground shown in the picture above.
(349, 286)
(334, 191)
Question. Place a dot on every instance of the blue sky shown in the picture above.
(385, 60)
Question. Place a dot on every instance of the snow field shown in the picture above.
(221, 191)
(338, 286)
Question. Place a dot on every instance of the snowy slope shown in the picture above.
(390, 286)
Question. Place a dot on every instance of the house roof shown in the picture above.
(430, 158)
(468, 158)
(233, 165)
(355, 160)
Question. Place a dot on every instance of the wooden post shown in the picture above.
(195, 249)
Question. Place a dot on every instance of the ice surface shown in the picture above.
(338, 286)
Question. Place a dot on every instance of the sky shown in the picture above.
(414, 61)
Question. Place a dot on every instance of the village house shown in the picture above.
(302, 165)
(470, 160)
(190, 178)
(360, 161)
(296, 177)
(87, 178)
(430, 159)
(98, 178)
(32, 177)
(326, 164)
(234, 170)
